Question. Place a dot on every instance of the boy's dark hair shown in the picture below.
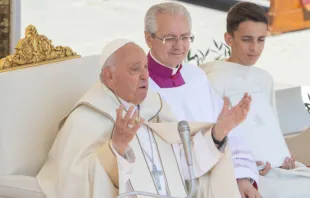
(244, 11)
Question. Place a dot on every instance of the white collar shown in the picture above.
(174, 70)
(127, 105)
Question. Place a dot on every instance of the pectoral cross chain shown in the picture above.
(156, 174)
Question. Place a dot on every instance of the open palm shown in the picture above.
(229, 118)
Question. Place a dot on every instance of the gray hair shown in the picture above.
(150, 24)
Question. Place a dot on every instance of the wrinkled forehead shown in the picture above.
(129, 55)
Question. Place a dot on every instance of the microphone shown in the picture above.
(184, 133)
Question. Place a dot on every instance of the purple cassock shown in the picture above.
(163, 76)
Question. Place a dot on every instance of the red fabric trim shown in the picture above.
(255, 185)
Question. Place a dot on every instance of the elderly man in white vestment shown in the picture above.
(187, 90)
(119, 137)
(246, 31)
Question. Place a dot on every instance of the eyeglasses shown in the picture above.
(173, 40)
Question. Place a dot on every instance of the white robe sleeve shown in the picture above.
(244, 162)
(125, 168)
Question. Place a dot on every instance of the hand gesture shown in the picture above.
(229, 118)
(125, 129)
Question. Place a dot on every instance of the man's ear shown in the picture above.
(228, 39)
(148, 39)
(107, 76)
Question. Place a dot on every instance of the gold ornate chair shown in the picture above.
(39, 84)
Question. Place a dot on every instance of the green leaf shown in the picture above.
(206, 54)
(218, 57)
(213, 51)
(221, 46)
(228, 48)
(216, 45)
(307, 107)
(189, 57)
(201, 53)
(198, 63)
(196, 57)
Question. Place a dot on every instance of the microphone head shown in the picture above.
(184, 133)
(183, 126)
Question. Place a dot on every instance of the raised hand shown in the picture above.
(229, 118)
(125, 129)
